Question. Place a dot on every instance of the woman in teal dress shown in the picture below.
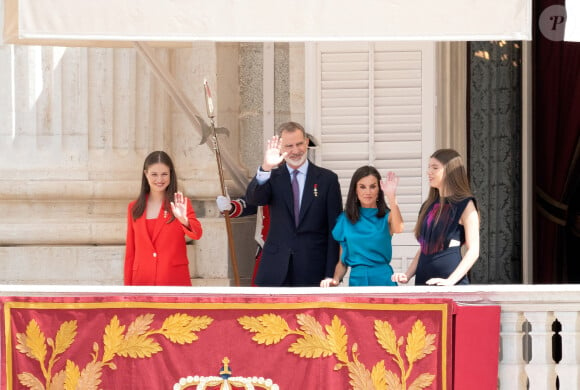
(365, 228)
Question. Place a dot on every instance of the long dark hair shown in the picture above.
(455, 183)
(352, 203)
(155, 158)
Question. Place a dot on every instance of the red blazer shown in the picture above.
(160, 260)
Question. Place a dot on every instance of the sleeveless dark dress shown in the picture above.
(441, 242)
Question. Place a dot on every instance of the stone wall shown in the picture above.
(75, 126)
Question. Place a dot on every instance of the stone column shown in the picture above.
(76, 126)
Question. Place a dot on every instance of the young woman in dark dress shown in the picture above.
(448, 219)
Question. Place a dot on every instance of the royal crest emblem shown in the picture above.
(225, 380)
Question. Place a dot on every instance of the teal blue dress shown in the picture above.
(366, 248)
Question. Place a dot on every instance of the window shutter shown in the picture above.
(375, 106)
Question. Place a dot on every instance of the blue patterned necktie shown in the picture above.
(296, 196)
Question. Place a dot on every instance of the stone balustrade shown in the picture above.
(540, 331)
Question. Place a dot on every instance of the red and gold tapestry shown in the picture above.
(226, 342)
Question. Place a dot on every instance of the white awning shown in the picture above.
(89, 22)
(572, 32)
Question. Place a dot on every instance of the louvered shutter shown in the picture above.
(374, 105)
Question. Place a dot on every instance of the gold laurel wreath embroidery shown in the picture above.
(133, 342)
(316, 341)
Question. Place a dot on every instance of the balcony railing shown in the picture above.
(540, 324)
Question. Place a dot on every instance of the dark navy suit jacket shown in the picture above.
(310, 246)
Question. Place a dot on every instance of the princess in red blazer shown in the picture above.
(157, 223)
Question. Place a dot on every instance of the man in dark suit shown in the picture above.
(304, 201)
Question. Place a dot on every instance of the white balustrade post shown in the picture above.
(541, 369)
(511, 366)
(568, 369)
